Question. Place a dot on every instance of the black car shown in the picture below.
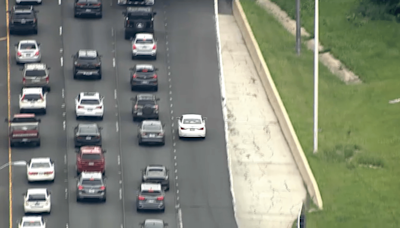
(87, 134)
(153, 223)
(156, 174)
(87, 64)
(138, 20)
(150, 197)
(144, 77)
(151, 132)
(23, 19)
(145, 106)
(91, 185)
(90, 8)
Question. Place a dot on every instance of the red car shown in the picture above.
(90, 159)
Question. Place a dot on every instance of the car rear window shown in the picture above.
(146, 102)
(90, 102)
(192, 121)
(27, 46)
(88, 131)
(23, 15)
(35, 73)
(91, 156)
(140, 41)
(92, 182)
(153, 193)
(40, 165)
(37, 197)
(152, 127)
(23, 128)
(32, 97)
(31, 224)
(155, 170)
(145, 70)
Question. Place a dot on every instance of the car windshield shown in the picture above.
(40, 165)
(91, 157)
(90, 102)
(146, 102)
(35, 73)
(32, 97)
(92, 182)
(152, 127)
(31, 224)
(27, 46)
(37, 197)
(23, 15)
(150, 41)
(87, 131)
(24, 128)
(192, 121)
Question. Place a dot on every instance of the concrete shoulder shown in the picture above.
(267, 186)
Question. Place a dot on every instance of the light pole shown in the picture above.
(15, 163)
(298, 28)
(316, 52)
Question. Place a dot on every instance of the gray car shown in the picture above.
(144, 45)
(153, 223)
(150, 197)
(36, 75)
(27, 51)
(156, 174)
(151, 132)
(91, 185)
(87, 134)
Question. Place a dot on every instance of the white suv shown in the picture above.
(32, 100)
(144, 45)
(89, 104)
(37, 200)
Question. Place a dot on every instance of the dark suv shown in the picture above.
(23, 19)
(90, 8)
(144, 76)
(87, 134)
(145, 106)
(138, 20)
(87, 64)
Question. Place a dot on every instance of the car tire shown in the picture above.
(78, 200)
(167, 188)
(49, 212)
(99, 77)
(44, 112)
(140, 143)
(38, 144)
(132, 88)
(35, 32)
(163, 210)
(138, 210)
(127, 37)
(134, 119)
(155, 57)
(163, 143)
(75, 77)
(48, 89)
(78, 173)
(100, 16)
(133, 57)
(101, 117)
(12, 145)
(104, 200)
(77, 117)
(156, 88)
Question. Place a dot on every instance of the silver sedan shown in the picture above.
(27, 51)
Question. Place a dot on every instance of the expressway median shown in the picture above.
(277, 105)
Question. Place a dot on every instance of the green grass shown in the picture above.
(357, 166)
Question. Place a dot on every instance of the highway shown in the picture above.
(188, 83)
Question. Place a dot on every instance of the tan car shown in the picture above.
(36, 75)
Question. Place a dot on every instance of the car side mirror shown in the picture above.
(157, 99)
(49, 68)
(133, 99)
(39, 120)
(36, 11)
(72, 56)
(101, 128)
(204, 118)
(124, 13)
(132, 68)
(104, 151)
(165, 224)
(154, 13)
(38, 44)
(163, 125)
(141, 223)
(51, 161)
(156, 69)
(24, 194)
(76, 150)
(16, 44)
(21, 69)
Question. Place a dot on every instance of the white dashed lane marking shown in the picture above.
(60, 30)
(62, 61)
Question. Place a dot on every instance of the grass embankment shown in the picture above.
(359, 146)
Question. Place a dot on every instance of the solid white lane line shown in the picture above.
(60, 30)
(62, 61)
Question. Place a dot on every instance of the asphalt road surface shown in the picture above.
(188, 83)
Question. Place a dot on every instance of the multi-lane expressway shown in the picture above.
(188, 83)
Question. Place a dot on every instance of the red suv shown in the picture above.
(90, 159)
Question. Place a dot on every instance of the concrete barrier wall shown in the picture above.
(277, 105)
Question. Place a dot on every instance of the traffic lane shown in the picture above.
(135, 158)
(4, 208)
(204, 186)
(92, 34)
(52, 134)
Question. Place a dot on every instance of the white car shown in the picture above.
(32, 222)
(89, 104)
(27, 51)
(192, 126)
(32, 100)
(144, 45)
(37, 200)
(40, 169)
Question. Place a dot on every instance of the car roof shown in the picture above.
(191, 116)
(32, 90)
(89, 175)
(87, 53)
(145, 96)
(150, 186)
(35, 66)
(32, 218)
(154, 222)
(152, 122)
(36, 191)
(91, 150)
(90, 95)
(27, 42)
(34, 160)
(144, 36)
